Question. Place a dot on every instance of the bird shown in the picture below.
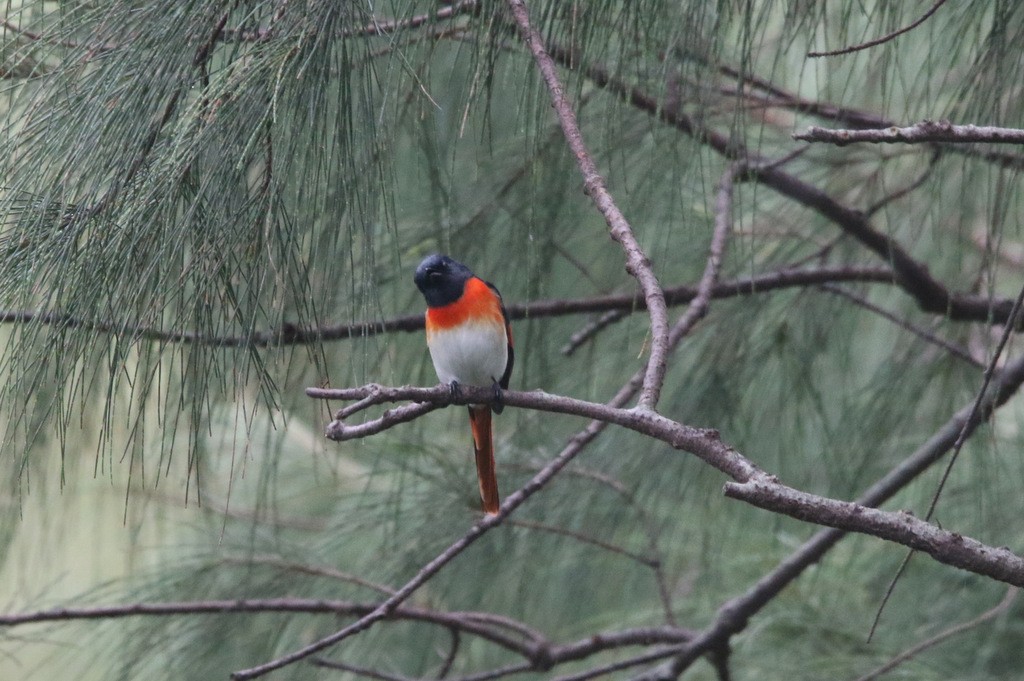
(470, 343)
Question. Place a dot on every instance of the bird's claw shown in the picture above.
(455, 390)
(498, 405)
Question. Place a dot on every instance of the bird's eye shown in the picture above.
(434, 275)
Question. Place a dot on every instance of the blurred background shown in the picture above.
(208, 207)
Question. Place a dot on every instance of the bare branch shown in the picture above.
(901, 527)
(698, 307)
(538, 651)
(637, 262)
(462, 621)
(921, 133)
(1002, 606)
(884, 39)
(449, 659)
(315, 570)
(703, 443)
(579, 338)
(357, 670)
(585, 539)
(781, 98)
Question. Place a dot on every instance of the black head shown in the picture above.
(441, 279)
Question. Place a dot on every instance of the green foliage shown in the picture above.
(186, 184)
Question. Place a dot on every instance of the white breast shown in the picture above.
(472, 354)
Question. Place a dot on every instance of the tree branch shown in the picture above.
(734, 614)
(900, 527)
(464, 621)
(911, 275)
(884, 39)
(781, 98)
(637, 262)
(539, 652)
(289, 334)
(703, 443)
(920, 133)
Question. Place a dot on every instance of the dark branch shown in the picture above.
(885, 38)
(464, 621)
(911, 275)
(289, 334)
(784, 99)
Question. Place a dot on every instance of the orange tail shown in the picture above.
(483, 447)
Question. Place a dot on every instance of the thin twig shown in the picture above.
(647, 522)
(957, 446)
(856, 118)
(463, 621)
(1002, 606)
(453, 650)
(700, 304)
(990, 371)
(884, 39)
(314, 570)
(903, 191)
(357, 670)
(924, 334)
(585, 539)
(594, 327)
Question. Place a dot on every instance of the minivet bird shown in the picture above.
(470, 343)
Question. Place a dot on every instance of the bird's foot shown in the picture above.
(455, 390)
(498, 405)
